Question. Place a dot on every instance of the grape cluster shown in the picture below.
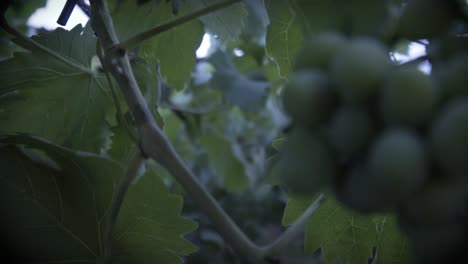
(383, 138)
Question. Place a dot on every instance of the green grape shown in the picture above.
(350, 130)
(449, 140)
(396, 166)
(426, 18)
(319, 50)
(306, 164)
(358, 68)
(408, 97)
(358, 192)
(454, 79)
(395, 169)
(441, 202)
(308, 98)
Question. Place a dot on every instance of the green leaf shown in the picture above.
(343, 234)
(149, 227)
(55, 203)
(224, 163)
(226, 23)
(294, 20)
(236, 88)
(284, 34)
(392, 246)
(45, 96)
(173, 49)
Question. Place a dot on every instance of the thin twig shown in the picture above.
(117, 201)
(294, 230)
(132, 41)
(12, 31)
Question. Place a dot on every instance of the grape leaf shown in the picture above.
(284, 34)
(149, 227)
(224, 163)
(174, 50)
(342, 234)
(45, 96)
(393, 247)
(55, 203)
(226, 23)
(293, 20)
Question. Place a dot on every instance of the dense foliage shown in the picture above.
(120, 147)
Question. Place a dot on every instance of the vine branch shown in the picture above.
(136, 39)
(120, 115)
(155, 145)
